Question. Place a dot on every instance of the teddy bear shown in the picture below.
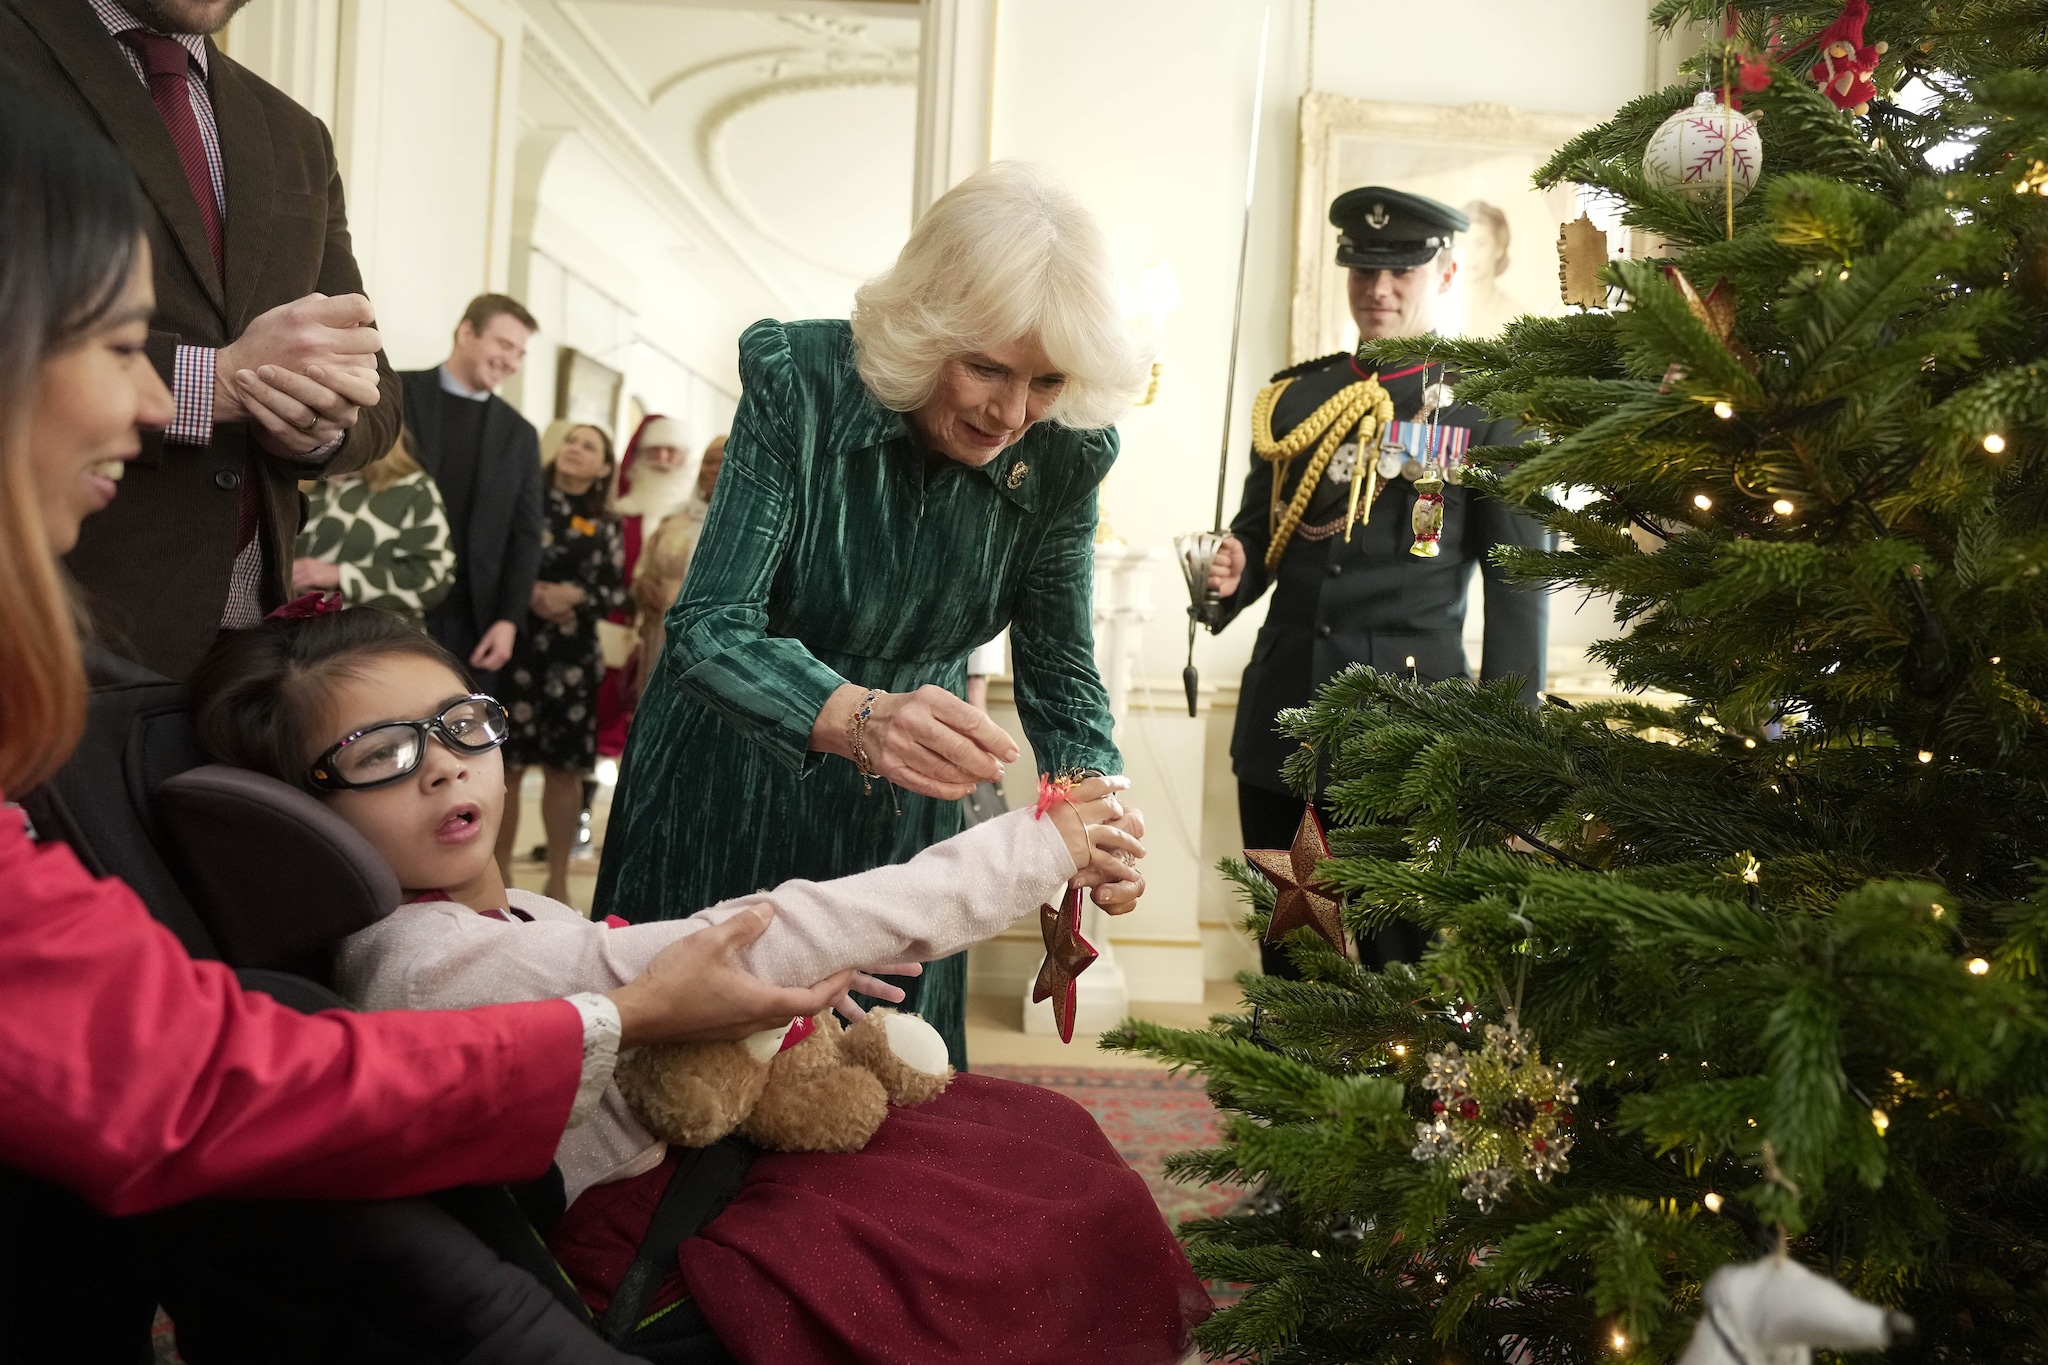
(806, 1087)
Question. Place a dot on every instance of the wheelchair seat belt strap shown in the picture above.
(704, 1183)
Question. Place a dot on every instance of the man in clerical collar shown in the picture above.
(1352, 580)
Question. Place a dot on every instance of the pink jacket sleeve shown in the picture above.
(139, 1077)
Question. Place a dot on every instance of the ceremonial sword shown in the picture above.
(1198, 549)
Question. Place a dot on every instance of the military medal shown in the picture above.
(1343, 464)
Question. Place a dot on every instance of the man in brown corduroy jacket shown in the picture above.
(261, 327)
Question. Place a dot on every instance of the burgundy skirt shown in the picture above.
(994, 1224)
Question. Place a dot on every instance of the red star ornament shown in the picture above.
(1067, 955)
(1300, 899)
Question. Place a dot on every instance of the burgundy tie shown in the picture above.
(169, 67)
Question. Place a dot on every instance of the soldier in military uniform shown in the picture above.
(1361, 596)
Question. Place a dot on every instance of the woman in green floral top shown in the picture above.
(379, 536)
(895, 492)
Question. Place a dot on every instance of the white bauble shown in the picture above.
(1693, 151)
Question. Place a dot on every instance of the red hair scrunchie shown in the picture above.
(312, 604)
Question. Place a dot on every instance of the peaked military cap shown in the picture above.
(1383, 229)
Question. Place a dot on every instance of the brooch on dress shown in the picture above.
(1017, 473)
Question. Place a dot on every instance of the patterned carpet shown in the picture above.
(1148, 1115)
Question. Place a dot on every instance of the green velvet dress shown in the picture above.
(838, 550)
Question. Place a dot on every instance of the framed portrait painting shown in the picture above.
(1479, 158)
(587, 390)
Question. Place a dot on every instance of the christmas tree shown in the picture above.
(1751, 963)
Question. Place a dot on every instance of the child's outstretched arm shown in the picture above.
(954, 894)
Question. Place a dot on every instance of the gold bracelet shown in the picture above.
(856, 740)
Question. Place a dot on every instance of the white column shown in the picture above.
(426, 127)
(955, 96)
(1123, 603)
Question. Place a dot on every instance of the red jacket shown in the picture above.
(139, 1077)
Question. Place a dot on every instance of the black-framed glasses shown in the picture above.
(383, 754)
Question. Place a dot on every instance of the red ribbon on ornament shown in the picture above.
(1052, 791)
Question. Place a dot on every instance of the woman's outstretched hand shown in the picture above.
(928, 741)
(1103, 833)
(696, 991)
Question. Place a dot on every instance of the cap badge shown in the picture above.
(1378, 218)
(1017, 473)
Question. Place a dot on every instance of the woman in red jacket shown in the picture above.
(129, 1072)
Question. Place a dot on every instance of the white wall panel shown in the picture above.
(427, 106)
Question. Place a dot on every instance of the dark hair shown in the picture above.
(484, 307)
(256, 695)
(593, 502)
(70, 224)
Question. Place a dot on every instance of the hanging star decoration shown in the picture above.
(1300, 899)
(1067, 955)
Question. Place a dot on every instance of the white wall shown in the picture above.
(426, 120)
(575, 312)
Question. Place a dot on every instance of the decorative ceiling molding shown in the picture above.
(678, 87)
(874, 9)
(587, 31)
(612, 132)
(768, 66)
(830, 29)
(711, 144)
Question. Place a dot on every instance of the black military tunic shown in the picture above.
(1370, 600)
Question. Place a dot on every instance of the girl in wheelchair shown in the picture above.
(994, 1223)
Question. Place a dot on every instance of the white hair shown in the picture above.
(1006, 255)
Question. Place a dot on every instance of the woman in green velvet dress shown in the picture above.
(896, 491)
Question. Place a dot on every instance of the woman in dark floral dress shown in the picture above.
(550, 687)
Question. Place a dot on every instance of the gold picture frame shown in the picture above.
(1459, 154)
(587, 390)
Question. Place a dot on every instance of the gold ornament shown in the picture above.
(1427, 518)
(1581, 253)
(1715, 311)
(1582, 250)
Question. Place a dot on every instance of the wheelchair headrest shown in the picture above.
(280, 876)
